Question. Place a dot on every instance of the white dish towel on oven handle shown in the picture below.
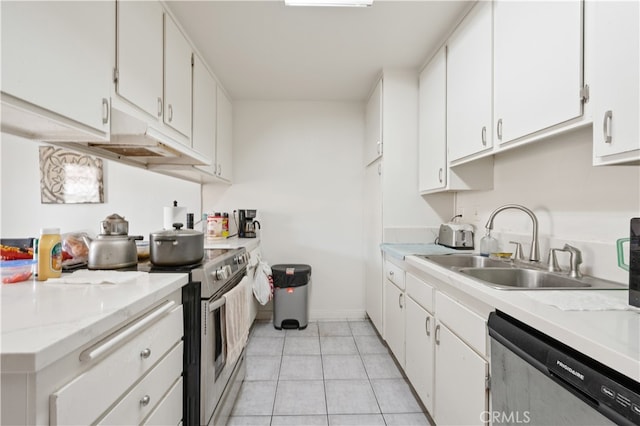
(237, 319)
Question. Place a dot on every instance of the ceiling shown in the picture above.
(264, 50)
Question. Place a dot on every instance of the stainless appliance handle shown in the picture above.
(217, 304)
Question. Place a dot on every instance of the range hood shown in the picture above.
(137, 140)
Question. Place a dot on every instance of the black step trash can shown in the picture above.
(290, 297)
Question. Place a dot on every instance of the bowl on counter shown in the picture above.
(15, 271)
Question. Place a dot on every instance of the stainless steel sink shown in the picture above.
(466, 261)
(532, 279)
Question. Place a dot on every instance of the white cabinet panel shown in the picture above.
(469, 85)
(203, 138)
(58, 56)
(145, 395)
(537, 66)
(114, 374)
(394, 320)
(615, 89)
(372, 238)
(373, 130)
(177, 78)
(224, 138)
(420, 356)
(395, 274)
(432, 124)
(460, 381)
(140, 55)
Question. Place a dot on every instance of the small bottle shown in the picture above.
(49, 254)
(225, 225)
(488, 245)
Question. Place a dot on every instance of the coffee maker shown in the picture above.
(247, 224)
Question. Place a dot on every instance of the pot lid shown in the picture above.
(176, 231)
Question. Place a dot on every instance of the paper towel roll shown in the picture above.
(173, 215)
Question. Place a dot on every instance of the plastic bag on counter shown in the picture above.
(75, 252)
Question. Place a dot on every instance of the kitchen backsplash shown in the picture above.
(137, 194)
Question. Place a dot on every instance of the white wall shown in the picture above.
(574, 202)
(300, 165)
(137, 194)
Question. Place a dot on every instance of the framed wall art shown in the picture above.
(67, 177)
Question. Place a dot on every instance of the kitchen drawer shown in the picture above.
(120, 360)
(467, 325)
(395, 274)
(169, 410)
(145, 395)
(420, 292)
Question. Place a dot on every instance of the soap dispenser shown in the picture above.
(488, 245)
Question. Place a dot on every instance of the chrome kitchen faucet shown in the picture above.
(534, 254)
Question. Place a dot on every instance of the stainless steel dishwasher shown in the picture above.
(537, 380)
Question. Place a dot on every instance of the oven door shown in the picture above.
(213, 355)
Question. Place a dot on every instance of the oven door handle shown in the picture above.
(217, 304)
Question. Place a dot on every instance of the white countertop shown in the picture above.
(611, 337)
(42, 321)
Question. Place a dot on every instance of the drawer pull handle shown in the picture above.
(146, 353)
(145, 400)
(112, 343)
(391, 273)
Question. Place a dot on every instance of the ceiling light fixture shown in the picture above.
(330, 3)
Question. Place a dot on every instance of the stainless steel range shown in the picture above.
(219, 380)
(210, 383)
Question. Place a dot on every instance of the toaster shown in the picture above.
(456, 235)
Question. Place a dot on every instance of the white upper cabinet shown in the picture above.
(56, 63)
(432, 124)
(140, 55)
(178, 63)
(538, 71)
(615, 86)
(203, 135)
(469, 85)
(224, 136)
(373, 130)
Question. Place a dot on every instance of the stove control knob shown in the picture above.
(222, 273)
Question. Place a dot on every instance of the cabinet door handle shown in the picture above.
(499, 129)
(379, 147)
(145, 353)
(145, 400)
(440, 175)
(105, 110)
(606, 126)
(427, 326)
(400, 301)
(170, 113)
(159, 107)
(103, 348)
(437, 334)
(484, 135)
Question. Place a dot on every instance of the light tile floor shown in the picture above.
(331, 373)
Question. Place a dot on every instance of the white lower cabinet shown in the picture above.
(131, 371)
(394, 320)
(442, 345)
(460, 381)
(420, 356)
